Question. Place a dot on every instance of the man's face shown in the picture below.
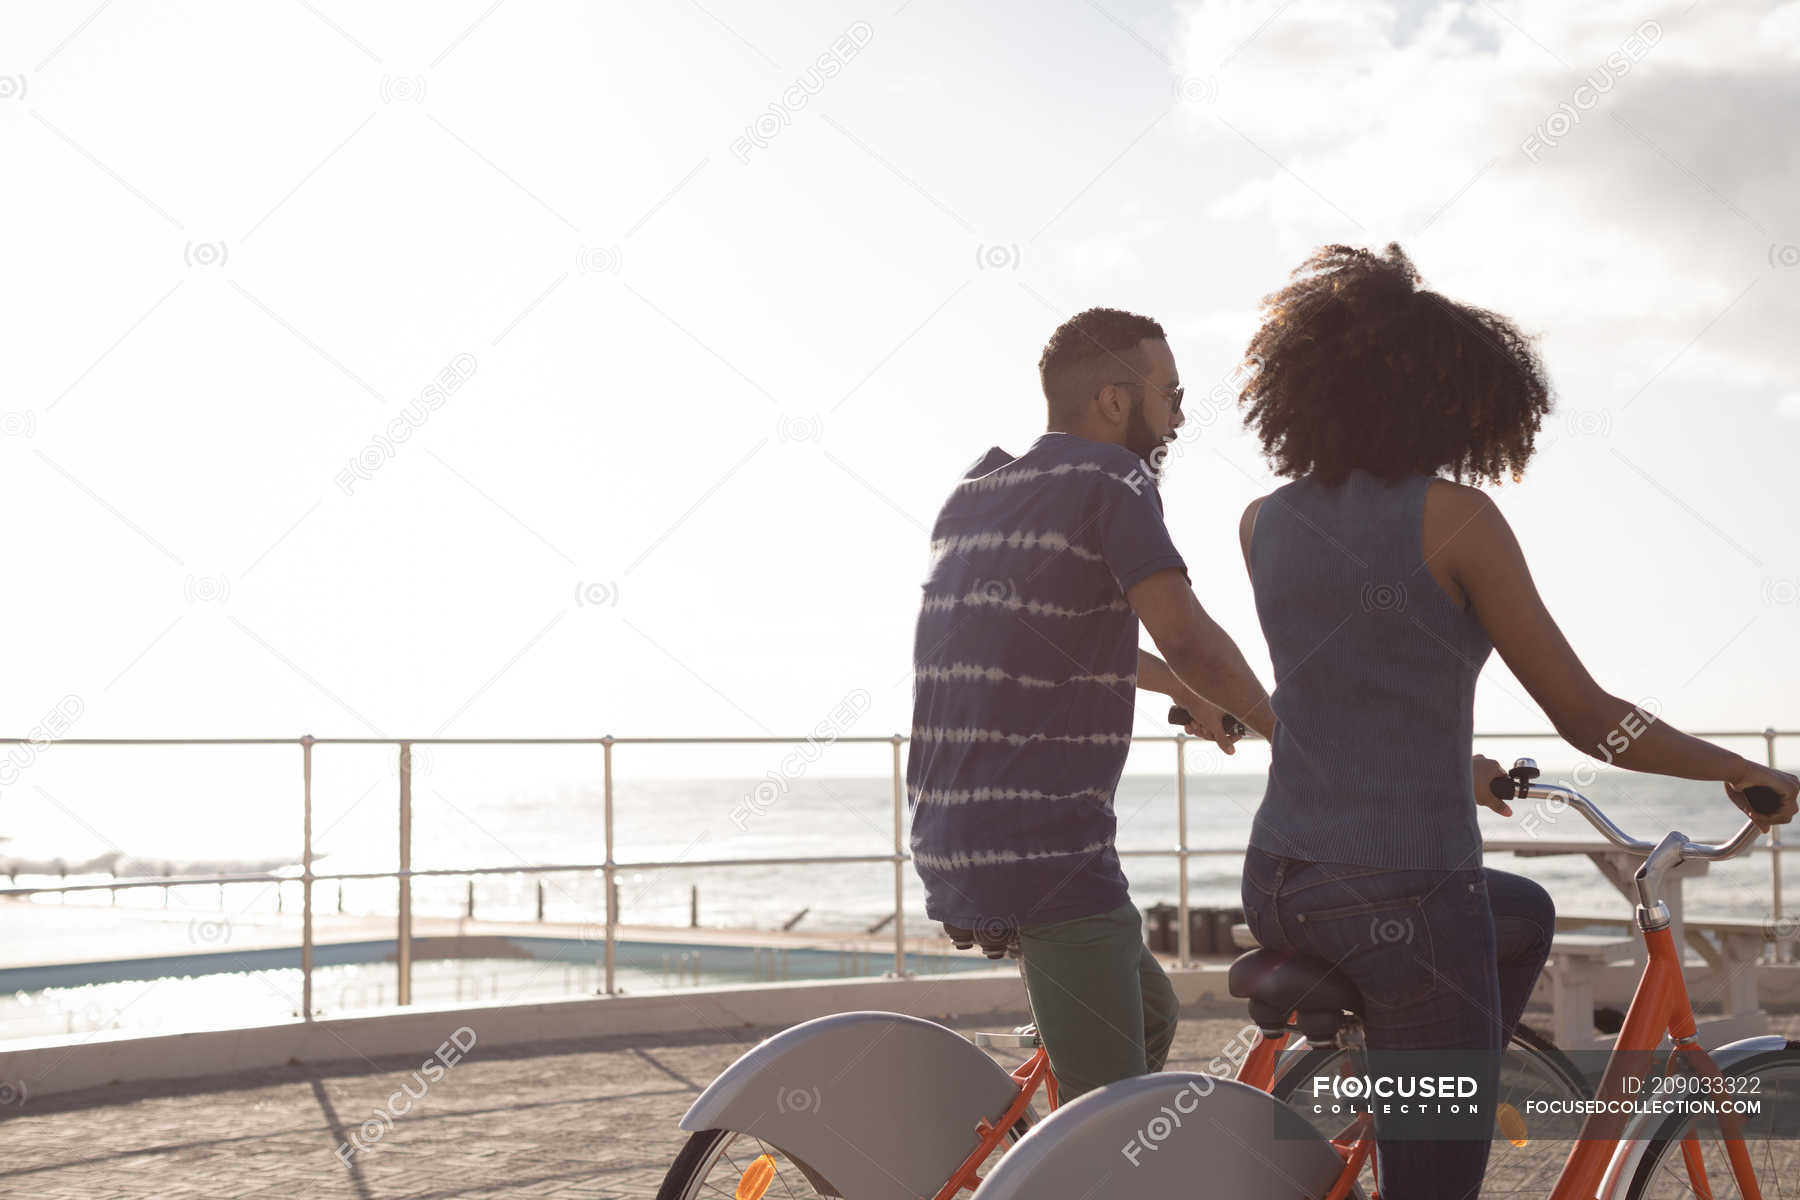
(1155, 404)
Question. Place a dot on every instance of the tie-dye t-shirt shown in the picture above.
(1024, 678)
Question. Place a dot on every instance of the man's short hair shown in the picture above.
(1100, 341)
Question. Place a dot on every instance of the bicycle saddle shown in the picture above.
(1278, 983)
(995, 943)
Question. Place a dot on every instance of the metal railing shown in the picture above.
(611, 866)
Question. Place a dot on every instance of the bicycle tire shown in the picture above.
(1668, 1135)
(702, 1150)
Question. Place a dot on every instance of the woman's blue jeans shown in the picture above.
(1443, 959)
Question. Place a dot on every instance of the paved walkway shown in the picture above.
(595, 1120)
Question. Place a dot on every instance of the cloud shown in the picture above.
(1597, 171)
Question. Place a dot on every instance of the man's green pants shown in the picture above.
(1102, 1004)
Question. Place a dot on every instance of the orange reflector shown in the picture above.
(1511, 1124)
(756, 1179)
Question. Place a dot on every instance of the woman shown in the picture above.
(1381, 589)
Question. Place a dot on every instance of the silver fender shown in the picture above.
(1157, 1136)
(1635, 1138)
(881, 1105)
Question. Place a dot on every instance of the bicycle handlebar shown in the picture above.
(1518, 784)
(1233, 727)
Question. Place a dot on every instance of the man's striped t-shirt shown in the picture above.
(1024, 678)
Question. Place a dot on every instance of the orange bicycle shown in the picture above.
(1694, 1123)
(882, 1106)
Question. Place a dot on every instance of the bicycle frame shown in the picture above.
(1660, 1005)
(1035, 1071)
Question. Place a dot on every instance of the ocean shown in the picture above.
(483, 819)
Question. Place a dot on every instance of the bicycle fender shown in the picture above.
(882, 1105)
(1635, 1138)
(1166, 1135)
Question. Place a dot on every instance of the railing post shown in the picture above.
(1775, 921)
(306, 880)
(403, 939)
(606, 871)
(899, 868)
(1181, 852)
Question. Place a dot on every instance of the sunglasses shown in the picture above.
(1173, 394)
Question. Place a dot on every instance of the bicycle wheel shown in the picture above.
(723, 1162)
(1519, 1163)
(1772, 1137)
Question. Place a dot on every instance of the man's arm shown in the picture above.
(1201, 656)
(1154, 675)
(1208, 719)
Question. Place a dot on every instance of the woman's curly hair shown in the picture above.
(1360, 367)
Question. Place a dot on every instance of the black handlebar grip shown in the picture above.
(1765, 800)
(1502, 787)
(1181, 716)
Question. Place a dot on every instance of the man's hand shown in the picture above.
(1198, 651)
(1485, 771)
(1784, 785)
(1209, 719)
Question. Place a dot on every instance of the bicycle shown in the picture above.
(1242, 1142)
(928, 1107)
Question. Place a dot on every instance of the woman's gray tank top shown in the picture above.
(1375, 670)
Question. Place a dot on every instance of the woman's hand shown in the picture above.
(1756, 775)
(1486, 770)
(1209, 718)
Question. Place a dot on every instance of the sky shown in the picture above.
(555, 369)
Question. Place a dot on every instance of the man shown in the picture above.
(1026, 662)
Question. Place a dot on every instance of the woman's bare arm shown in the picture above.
(1484, 558)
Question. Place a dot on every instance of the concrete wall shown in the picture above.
(48, 1066)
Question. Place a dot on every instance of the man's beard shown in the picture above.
(1142, 441)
